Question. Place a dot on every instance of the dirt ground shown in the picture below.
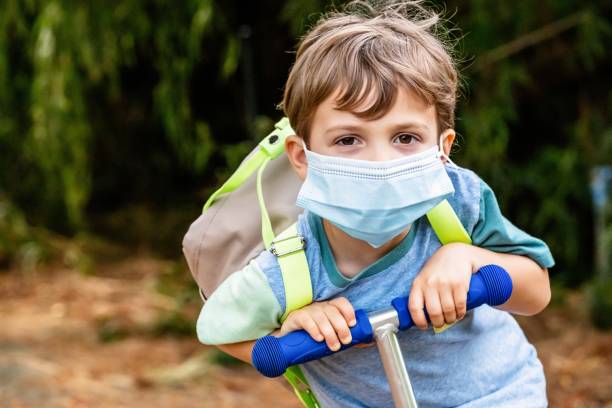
(51, 354)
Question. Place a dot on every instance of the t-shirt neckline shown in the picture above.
(329, 263)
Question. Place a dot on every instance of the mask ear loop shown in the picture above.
(444, 155)
(306, 150)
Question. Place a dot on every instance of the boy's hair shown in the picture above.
(371, 50)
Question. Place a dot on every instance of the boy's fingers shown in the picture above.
(327, 330)
(460, 296)
(434, 309)
(346, 308)
(339, 324)
(415, 305)
(448, 305)
(311, 327)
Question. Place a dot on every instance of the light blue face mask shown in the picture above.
(374, 201)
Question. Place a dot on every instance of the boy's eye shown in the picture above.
(347, 141)
(405, 138)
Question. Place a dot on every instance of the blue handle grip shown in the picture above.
(491, 285)
(272, 355)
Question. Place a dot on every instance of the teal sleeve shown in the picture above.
(494, 232)
(242, 308)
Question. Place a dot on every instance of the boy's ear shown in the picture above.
(446, 140)
(297, 157)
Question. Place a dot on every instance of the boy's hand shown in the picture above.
(328, 320)
(442, 285)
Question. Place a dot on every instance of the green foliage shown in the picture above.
(76, 256)
(58, 138)
(600, 304)
(109, 109)
(300, 14)
(146, 228)
(14, 231)
(176, 282)
(174, 324)
(111, 330)
(178, 45)
(223, 359)
(540, 171)
(173, 281)
(77, 51)
(19, 243)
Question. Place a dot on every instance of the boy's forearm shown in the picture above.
(531, 285)
(243, 350)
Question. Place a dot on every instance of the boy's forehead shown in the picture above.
(408, 108)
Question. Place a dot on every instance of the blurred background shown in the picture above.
(118, 119)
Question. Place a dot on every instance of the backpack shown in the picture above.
(232, 230)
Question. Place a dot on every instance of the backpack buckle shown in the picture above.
(289, 245)
(274, 144)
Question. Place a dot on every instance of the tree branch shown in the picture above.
(530, 39)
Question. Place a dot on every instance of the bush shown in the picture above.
(600, 304)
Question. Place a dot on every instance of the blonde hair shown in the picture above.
(371, 49)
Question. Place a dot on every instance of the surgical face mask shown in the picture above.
(374, 201)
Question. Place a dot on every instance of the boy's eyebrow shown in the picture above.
(413, 125)
(404, 125)
(350, 128)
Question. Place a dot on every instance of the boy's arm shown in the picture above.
(527, 259)
(244, 307)
(241, 351)
(327, 320)
(530, 282)
(452, 266)
(442, 284)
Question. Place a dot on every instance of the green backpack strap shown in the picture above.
(270, 148)
(295, 377)
(288, 247)
(446, 224)
(448, 228)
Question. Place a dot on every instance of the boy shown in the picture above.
(371, 99)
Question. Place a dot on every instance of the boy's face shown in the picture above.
(409, 127)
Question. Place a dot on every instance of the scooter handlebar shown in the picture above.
(491, 285)
(272, 355)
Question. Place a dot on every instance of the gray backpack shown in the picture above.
(229, 232)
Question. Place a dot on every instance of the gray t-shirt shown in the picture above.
(482, 361)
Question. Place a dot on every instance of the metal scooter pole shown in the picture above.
(384, 325)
